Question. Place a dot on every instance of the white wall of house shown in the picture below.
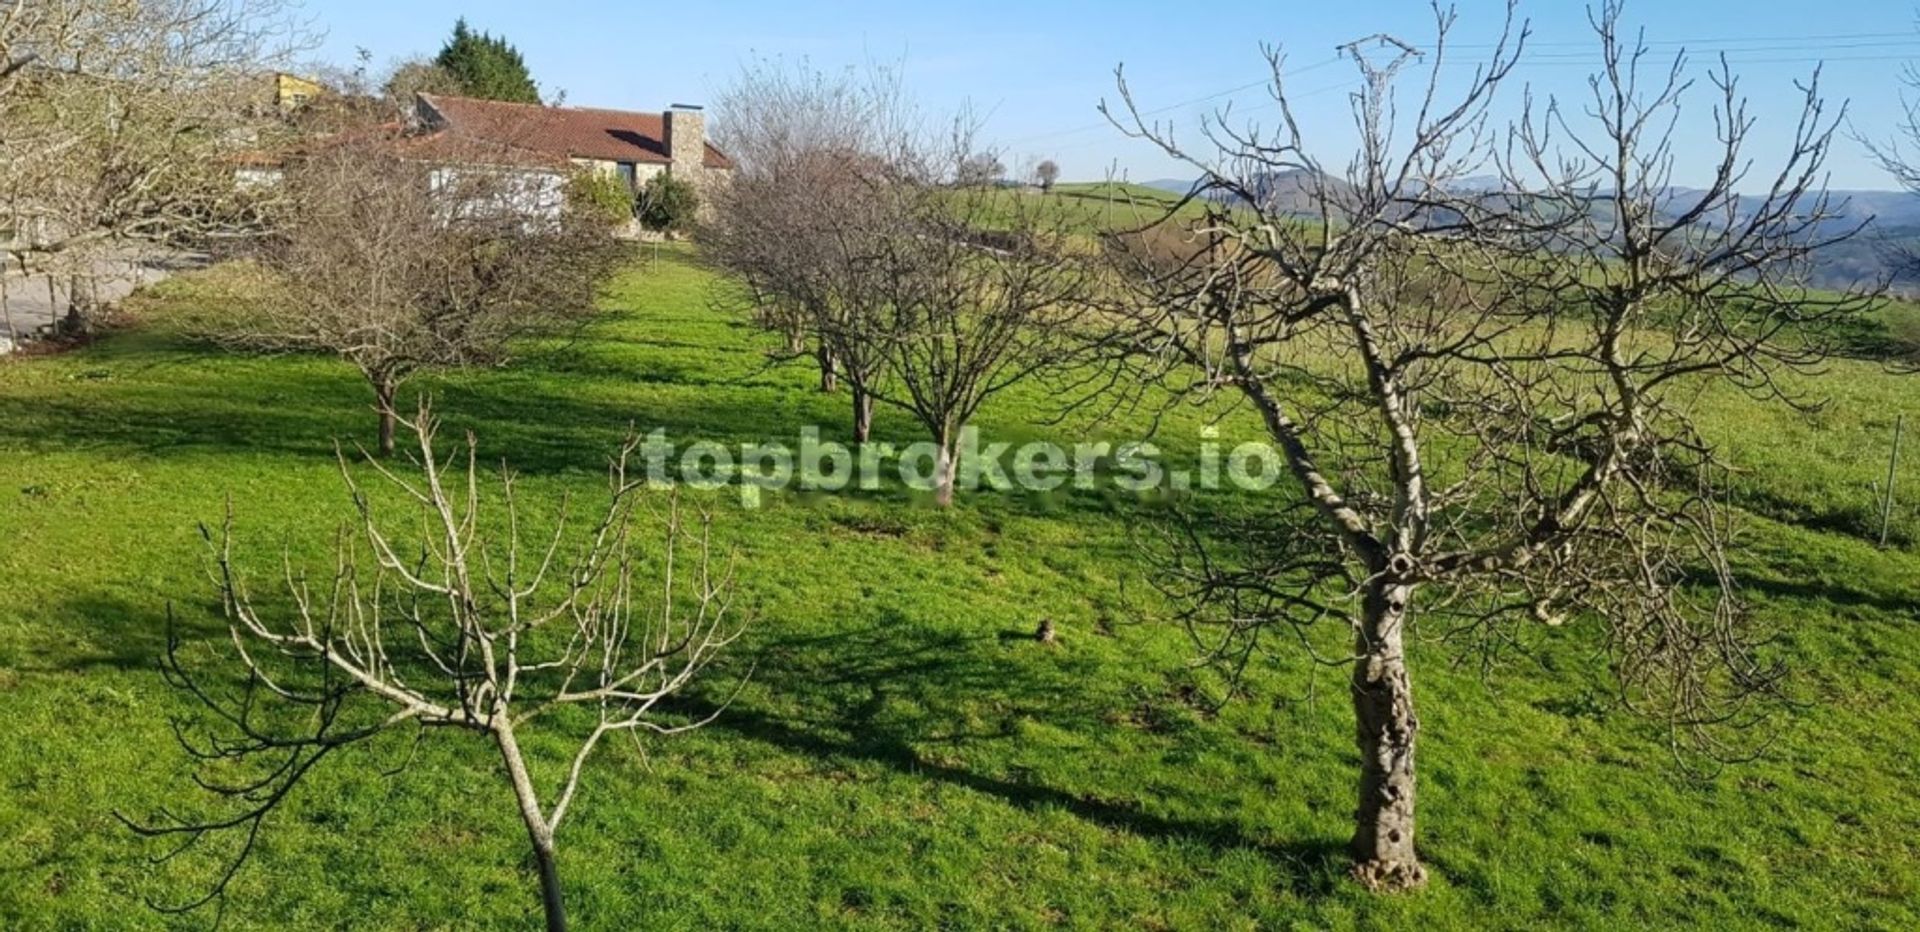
(533, 194)
(250, 179)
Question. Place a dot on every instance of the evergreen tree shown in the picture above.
(668, 204)
(487, 66)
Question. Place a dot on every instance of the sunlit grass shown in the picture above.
(905, 755)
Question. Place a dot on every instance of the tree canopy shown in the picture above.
(487, 66)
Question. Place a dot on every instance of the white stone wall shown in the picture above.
(536, 195)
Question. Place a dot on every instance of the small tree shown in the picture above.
(854, 227)
(1482, 399)
(1045, 174)
(409, 79)
(815, 156)
(486, 66)
(974, 296)
(465, 629)
(397, 267)
(117, 122)
(668, 204)
(979, 169)
(599, 197)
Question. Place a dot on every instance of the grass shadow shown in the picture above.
(838, 693)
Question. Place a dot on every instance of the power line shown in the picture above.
(1722, 40)
(1263, 82)
(1594, 62)
(1347, 84)
(1800, 47)
(1702, 50)
(1735, 48)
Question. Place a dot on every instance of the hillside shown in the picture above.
(1890, 234)
(904, 755)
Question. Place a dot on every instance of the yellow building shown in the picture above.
(291, 92)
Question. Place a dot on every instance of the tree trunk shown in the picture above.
(6, 311)
(862, 414)
(83, 306)
(383, 392)
(829, 377)
(1383, 852)
(550, 900)
(538, 831)
(945, 466)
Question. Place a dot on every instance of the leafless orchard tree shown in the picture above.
(115, 116)
(1482, 399)
(977, 292)
(815, 156)
(1045, 174)
(467, 628)
(979, 169)
(1898, 154)
(397, 266)
(867, 237)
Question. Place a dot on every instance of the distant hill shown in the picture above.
(1892, 231)
(1174, 185)
(1285, 191)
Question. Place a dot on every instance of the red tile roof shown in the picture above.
(571, 132)
(440, 146)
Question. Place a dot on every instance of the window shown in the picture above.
(627, 174)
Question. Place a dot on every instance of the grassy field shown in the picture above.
(905, 755)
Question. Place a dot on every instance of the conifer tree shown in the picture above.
(487, 66)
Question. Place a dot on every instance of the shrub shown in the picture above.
(668, 204)
(599, 196)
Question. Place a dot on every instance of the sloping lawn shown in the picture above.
(905, 755)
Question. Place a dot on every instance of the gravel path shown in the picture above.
(30, 304)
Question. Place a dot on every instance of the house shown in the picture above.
(291, 92)
(537, 147)
(631, 145)
(523, 181)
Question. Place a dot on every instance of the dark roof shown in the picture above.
(571, 132)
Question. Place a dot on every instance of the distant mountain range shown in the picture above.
(1892, 218)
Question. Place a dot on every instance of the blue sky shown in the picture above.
(1037, 70)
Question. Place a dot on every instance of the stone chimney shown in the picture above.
(686, 131)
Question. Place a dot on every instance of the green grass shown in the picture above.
(1095, 206)
(904, 757)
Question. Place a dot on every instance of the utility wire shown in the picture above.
(1801, 41)
(1732, 47)
(1348, 84)
(1798, 47)
(1263, 82)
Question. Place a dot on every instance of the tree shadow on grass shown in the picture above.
(304, 413)
(1810, 588)
(838, 697)
(893, 694)
(300, 415)
(99, 631)
(1833, 594)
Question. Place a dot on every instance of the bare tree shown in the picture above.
(1898, 154)
(979, 169)
(1045, 174)
(1481, 399)
(467, 628)
(815, 157)
(862, 234)
(410, 78)
(397, 265)
(116, 117)
(977, 293)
